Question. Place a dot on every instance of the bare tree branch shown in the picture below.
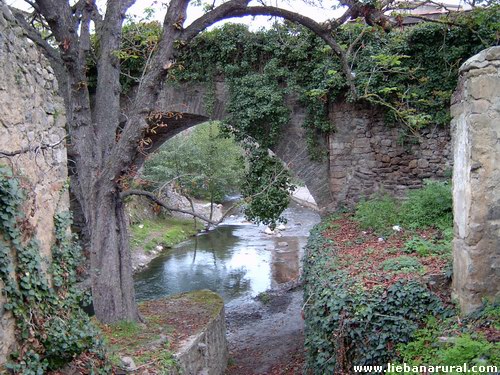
(159, 202)
(50, 52)
(322, 30)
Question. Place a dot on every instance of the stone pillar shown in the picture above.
(476, 181)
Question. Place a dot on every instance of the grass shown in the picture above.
(144, 342)
(430, 206)
(166, 232)
(403, 264)
(167, 323)
(472, 339)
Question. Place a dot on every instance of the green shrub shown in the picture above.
(424, 247)
(470, 350)
(463, 343)
(429, 206)
(378, 213)
(403, 263)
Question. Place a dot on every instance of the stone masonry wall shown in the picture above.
(367, 155)
(476, 181)
(31, 115)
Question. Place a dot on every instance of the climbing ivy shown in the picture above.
(267, 188)
(409, 72)
(347, 324)
(256, 108)
(50, 326)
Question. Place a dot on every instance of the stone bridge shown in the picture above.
(292, 149)
(365, 154)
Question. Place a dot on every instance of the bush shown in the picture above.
(424, 247)
(430, 206)
(378, 213)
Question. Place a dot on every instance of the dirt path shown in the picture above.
(267, 338)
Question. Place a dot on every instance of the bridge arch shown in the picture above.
(189, 99)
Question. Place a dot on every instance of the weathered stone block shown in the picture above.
(476, 181)
(422, 163)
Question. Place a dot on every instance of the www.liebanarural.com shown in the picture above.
(428, 369)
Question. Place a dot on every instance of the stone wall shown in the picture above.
(476, 181)
(31, 140)
(206, 352)
(367, 155)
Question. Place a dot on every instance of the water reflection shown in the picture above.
(236, 260)
(285, 260)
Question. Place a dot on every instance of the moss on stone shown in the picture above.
(167, 323)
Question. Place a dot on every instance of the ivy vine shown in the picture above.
(347, 324)
(50, 325)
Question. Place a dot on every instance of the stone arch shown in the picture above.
(189, 99)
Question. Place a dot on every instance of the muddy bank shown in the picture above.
(266, 336)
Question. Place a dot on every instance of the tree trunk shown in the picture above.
(112, 283)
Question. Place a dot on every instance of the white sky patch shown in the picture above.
(137, 10)
(317, 13)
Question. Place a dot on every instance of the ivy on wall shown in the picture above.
(347, 324)
(50, 325)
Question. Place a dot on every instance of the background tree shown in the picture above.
(201, 164)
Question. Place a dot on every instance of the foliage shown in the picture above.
(203, 164)
(430, 206)
(166, 323)
(468, 349)
(410, 72)
(379, 213)
(424, 247)
(126, 338)
(50, 325)
(291, 59)
(348, 324)
(404, 264)
(465, 343)
(139, 41)
(256, 108)
(267, 189)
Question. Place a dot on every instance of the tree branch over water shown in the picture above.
(161, 203)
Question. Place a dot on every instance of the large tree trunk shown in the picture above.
(112, 284)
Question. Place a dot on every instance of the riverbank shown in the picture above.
(180, 334)
(152, 237)
(256, 273)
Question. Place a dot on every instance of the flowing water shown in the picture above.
(237, 260)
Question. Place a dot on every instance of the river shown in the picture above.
(237, 260)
